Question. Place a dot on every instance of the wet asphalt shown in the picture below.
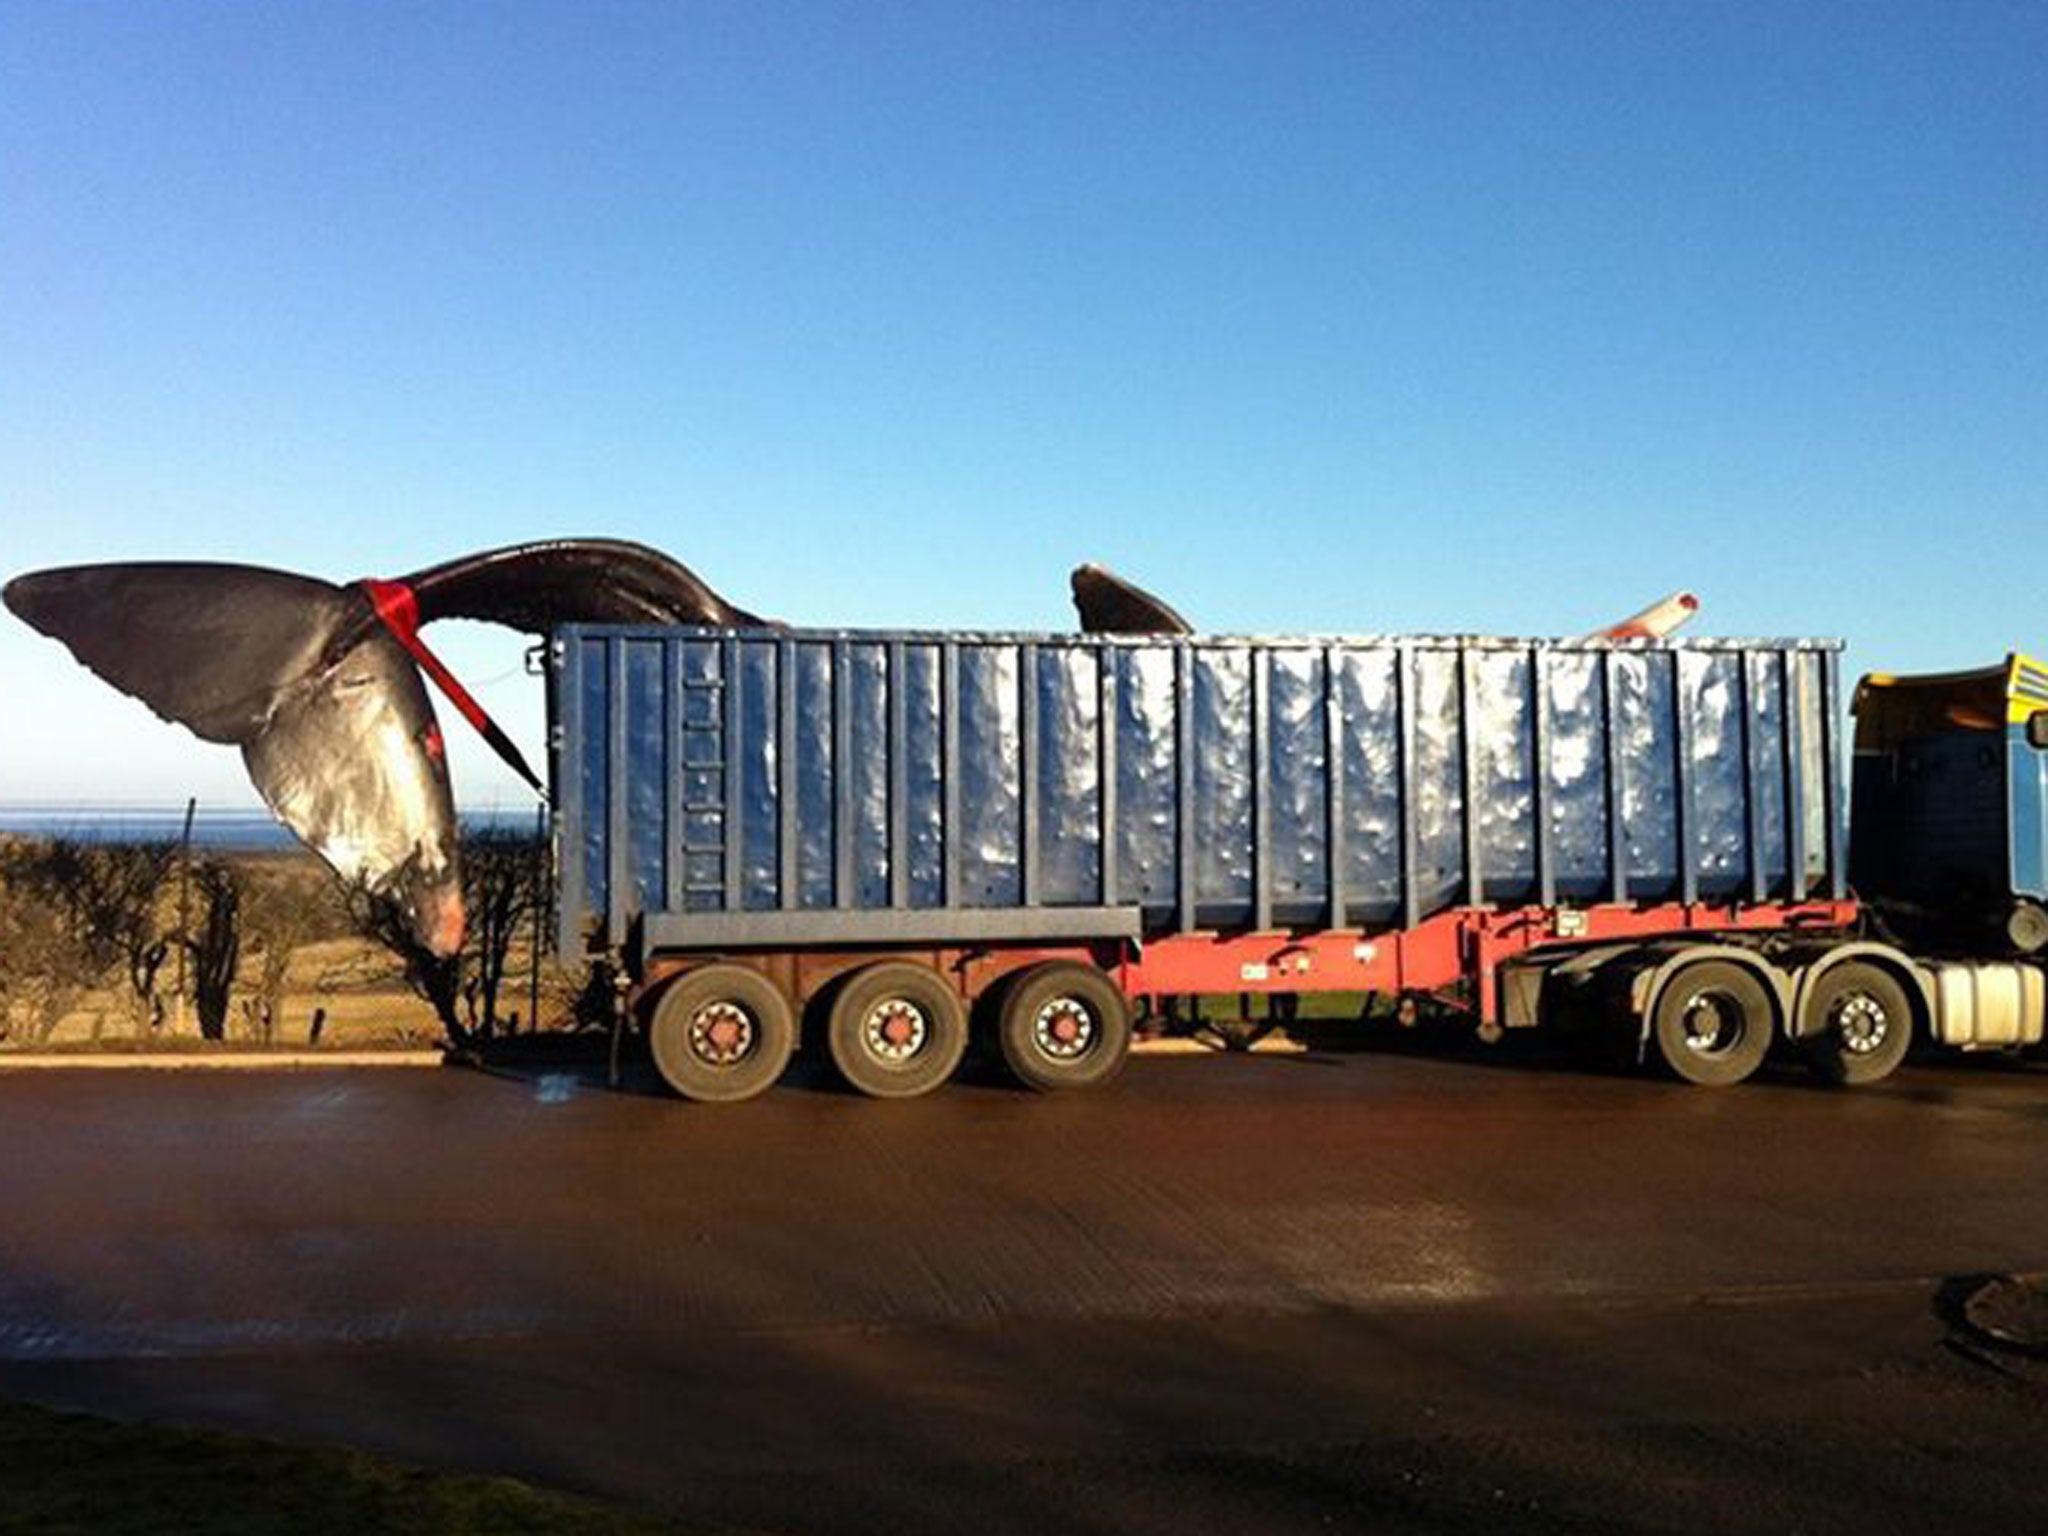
(1376, 1291)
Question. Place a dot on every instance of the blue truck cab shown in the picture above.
(1950, 796)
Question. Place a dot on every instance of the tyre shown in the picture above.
(2026, 928)
(1713, 1023)
(1061, 1024)
(896, 1029)
(721, 1033)
(1856, 1024)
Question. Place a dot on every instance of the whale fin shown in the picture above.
(1109, 605)
(206, 646)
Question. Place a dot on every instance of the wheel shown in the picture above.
(1713, 1023)
(896, 1029)
(1856, 1025)
(1061, 1024)
(721, 1034)
(2026, 928)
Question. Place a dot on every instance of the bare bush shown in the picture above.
(44, 967)
(215, 944)
(504, 884)
(81, 916)
(123, 888)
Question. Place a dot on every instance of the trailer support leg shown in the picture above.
(621, 985)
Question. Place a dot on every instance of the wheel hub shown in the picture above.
(1861, 1023)
(895, 1029)
(1712, 1024)
(1064, 1028)
(721, 1033)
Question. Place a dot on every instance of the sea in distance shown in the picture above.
(230, 829)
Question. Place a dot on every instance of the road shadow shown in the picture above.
(562, 1064)
(1455, 1039)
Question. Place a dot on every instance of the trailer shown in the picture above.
(886, 839)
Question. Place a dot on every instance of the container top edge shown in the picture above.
(1071, 638)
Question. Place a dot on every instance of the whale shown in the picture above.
(320, 684)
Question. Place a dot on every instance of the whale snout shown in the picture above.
(440, 920)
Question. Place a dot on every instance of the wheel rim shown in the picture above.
(722, 1033)
(894, 1030)
(1064, 1028)
(1860, 1021)
(1712, 1022)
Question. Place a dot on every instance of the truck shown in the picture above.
(886, 841)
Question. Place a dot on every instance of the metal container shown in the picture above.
(1007, 785)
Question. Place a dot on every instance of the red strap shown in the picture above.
(399, 610)
(396, 606)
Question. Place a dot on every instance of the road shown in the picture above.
(1371, 1292)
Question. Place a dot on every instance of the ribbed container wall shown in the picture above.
(1212, 783)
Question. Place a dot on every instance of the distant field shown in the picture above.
(236, 829)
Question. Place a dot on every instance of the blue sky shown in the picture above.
(1352, 317)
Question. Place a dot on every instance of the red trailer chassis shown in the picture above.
(1460, 946)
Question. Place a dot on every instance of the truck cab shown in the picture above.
(1950, 796)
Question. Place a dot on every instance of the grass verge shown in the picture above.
(69, 1472)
